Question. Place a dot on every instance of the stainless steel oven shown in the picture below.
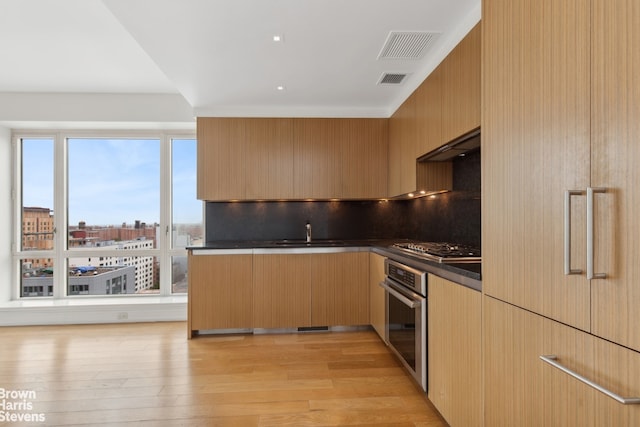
(406, 317)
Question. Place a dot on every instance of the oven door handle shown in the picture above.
(406, 301)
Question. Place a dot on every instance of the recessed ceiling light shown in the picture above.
(277, 38)
(281, 88)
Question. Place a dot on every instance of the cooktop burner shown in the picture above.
(442, 251)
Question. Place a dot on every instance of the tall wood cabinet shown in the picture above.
(615, 154)
(561, 110)
(563, 113)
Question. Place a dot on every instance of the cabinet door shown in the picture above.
(461, 87)
(222, 154)
(535, 146)
(429, 97)
(377, 305)
(513, 343)
(269, 158)
(220, 292)
(340, 158)
(455, 351)
(340, 289)
(317, 147)
(403, 148)
(365, 159)
(281, 291)
(245, 158)
(615, 157)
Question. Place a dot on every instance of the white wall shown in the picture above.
(5, 213)
(95, 111)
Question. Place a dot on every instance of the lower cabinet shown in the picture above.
(340, 289)
(376, 294)
(454, 319)
(521, 389)
(281, 290)
(220, 292)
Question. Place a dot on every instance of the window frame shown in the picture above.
(60, 253)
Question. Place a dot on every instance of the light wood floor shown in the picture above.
(151, 375)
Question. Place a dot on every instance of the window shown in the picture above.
(128, 213)
(186, 210)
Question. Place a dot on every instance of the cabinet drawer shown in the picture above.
(569, 401)
(521, 389)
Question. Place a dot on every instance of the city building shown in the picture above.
(146, 269)
(37, 234)
(82, 281)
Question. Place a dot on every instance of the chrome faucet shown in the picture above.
(308, 226)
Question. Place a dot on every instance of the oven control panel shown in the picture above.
(407, 276)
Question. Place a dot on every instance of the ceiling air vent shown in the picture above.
(407, 45)
(392, 79)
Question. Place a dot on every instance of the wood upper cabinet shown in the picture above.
(522, 390)
(403, 148)
(429, 96)
(445, 106)
(245, 158)
(284, 158)
(220, 292)
(455, 352)
(281, 290)
(221, 159)
(377, 306)
(366, 152)
(339, 286)
(461, 87)
(561, 112)
(340, 158)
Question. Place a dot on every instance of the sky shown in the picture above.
(112, 181)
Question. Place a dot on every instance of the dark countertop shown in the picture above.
(290, 243)
(469, 275)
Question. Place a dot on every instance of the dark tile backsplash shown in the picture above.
(286, 220)
(451, 217)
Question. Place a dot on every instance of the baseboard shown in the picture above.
(93, 312)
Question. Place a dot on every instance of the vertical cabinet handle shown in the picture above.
(567, 231)
(590, 226)
(552, 360)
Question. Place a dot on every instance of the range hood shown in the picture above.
(467, 142)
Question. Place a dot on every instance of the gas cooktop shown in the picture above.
(442, 252)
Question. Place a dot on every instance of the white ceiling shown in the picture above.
(219, 55)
